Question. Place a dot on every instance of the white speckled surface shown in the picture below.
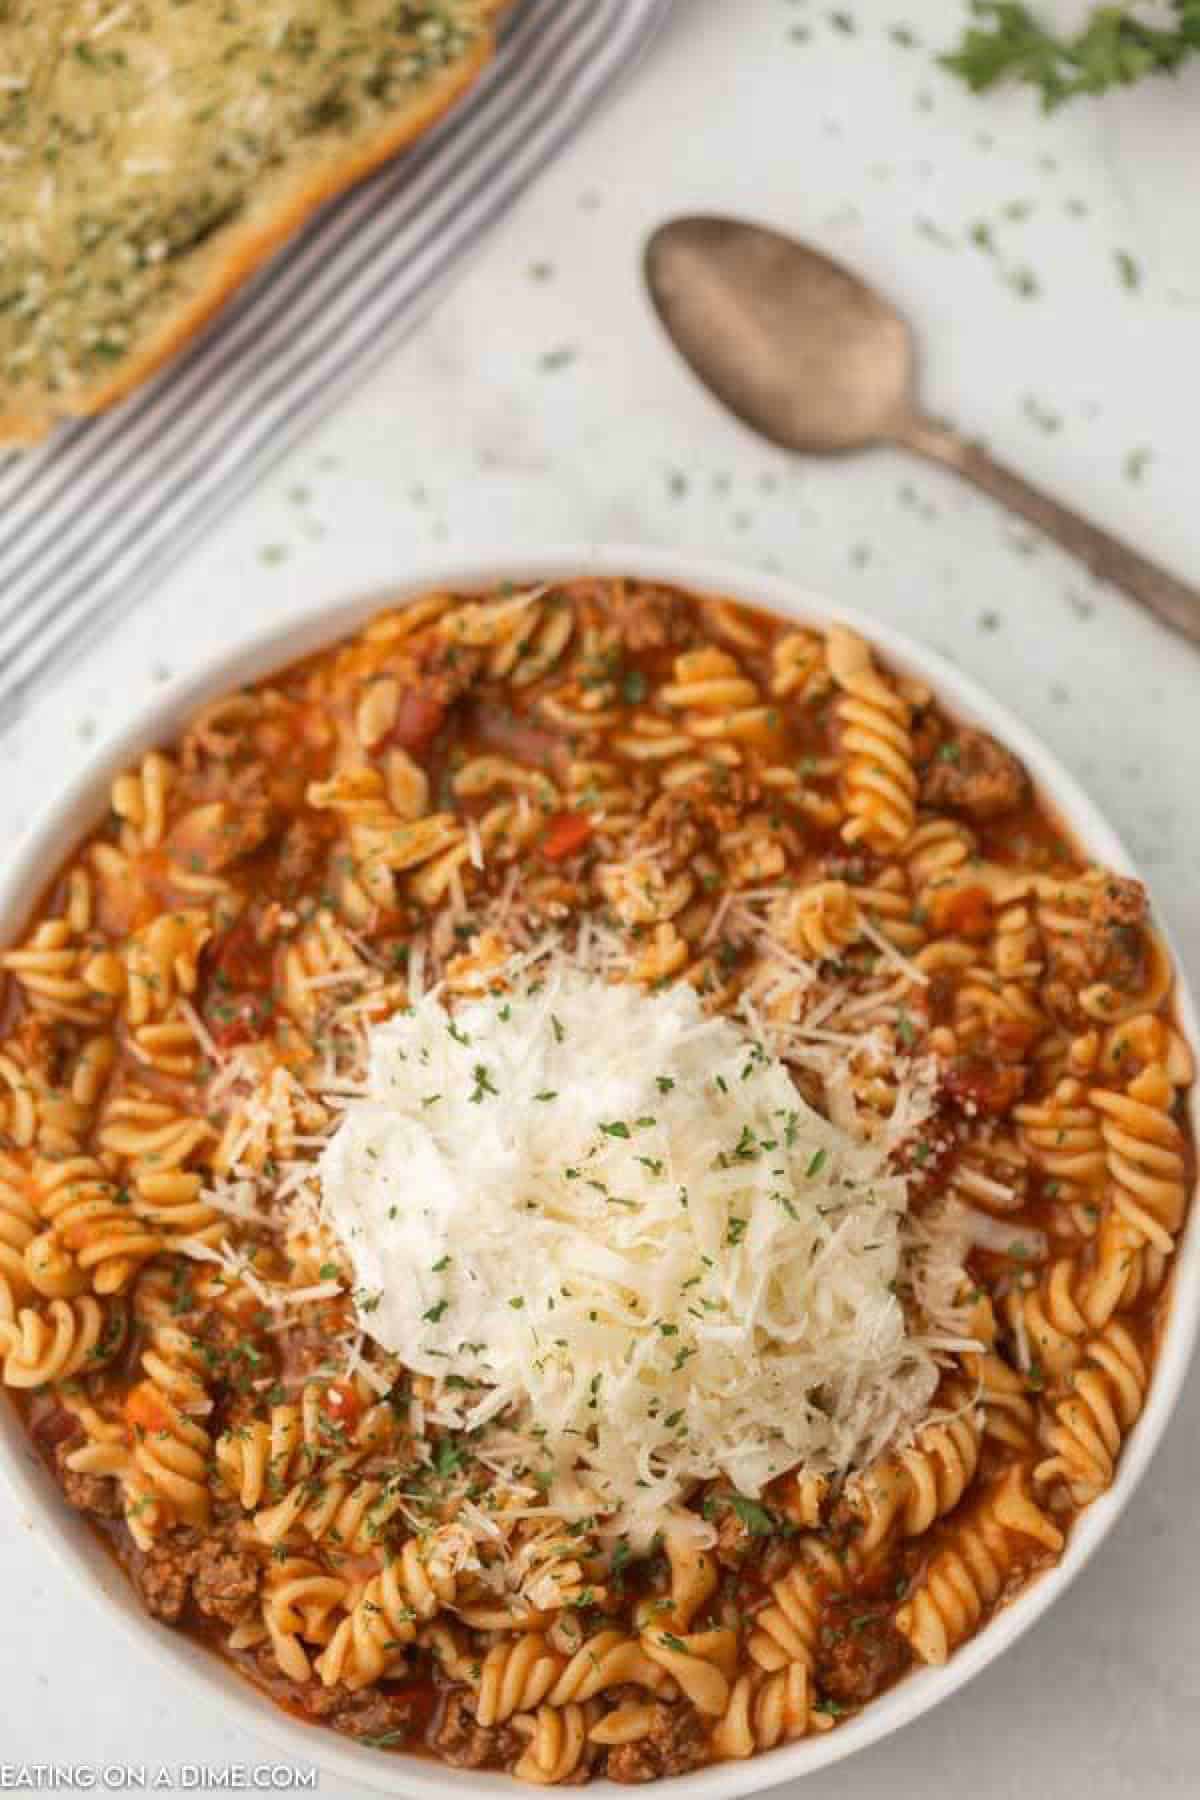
(541, 404)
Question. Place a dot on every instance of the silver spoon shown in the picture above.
(808, 355)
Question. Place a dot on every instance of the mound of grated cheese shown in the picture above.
(617, 1220)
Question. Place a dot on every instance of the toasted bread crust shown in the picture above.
(244, 248)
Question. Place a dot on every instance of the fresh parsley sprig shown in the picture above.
(1113, 49)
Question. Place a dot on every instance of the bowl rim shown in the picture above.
(315, 623)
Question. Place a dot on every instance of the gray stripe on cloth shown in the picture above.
(93, 518)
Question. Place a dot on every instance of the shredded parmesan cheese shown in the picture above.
(623, 1247)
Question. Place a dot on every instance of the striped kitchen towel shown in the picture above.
(91, 519)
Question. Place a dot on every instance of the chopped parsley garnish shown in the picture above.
(753, 1515)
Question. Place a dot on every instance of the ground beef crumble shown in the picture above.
(224, 1580)
(96, 1494)
(1113, 948)
(677, 1741)
(372, 1714)
(644, 618)
(1115, 942)
(163, 1575)
(974, 775)
(460, 1740)
(979, 1085)
(859, 1653)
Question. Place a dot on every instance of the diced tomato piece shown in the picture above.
(236, 959)
(144, 1409)
(53, 1424)
(979, 1085)
(565, 834)
(515, 735)
(1014, 1036)
(238, 1018)
(965, 911)
(236, 969)
(341, 1401)
(419, 718)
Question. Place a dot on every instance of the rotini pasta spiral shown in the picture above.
(701, 1664)
(167, 1478)
(821, 920)
(516, 1677)
(299, 1603)
(262, 1458)
(1103, 1401)
(95, 1237)
(880, 781)
(694, 1575)
(1063, 1138)
(799, 667)
(139, 799)
(767, 1710)
(18, 1227)
(1143, 1147)
(383, 1619)
(911, 1489)
(557, 1740)
(36, 1111)
(603, 1661)
(1008, 1410)
(64, 1339)
(990, 1011)
(333, 1505)
(785, 1630)
(887, 904)
(936, 855)
(1016, 943)
(1125, 1271)
(963, 1581)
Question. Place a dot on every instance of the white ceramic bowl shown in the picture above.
(319, 620)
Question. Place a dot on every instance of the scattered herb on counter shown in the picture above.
(929, 229)
(1128, 270)
(1024, 282)
(1113, 49)
(1041, 415)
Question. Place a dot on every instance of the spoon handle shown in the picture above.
(1169, 599)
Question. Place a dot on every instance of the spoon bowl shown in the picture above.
(794, 344)
(812, 358)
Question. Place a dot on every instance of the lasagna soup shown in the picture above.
(585, 1179)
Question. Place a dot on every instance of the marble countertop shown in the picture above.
(1051, 266)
